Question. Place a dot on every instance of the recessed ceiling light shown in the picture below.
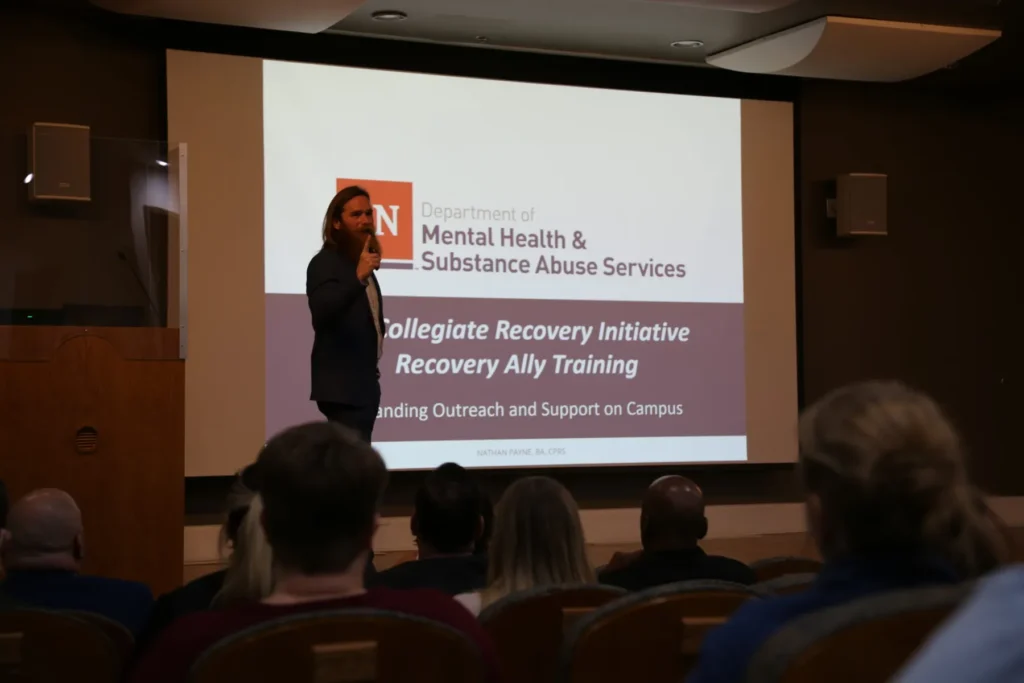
(389, 15)
(688, 43)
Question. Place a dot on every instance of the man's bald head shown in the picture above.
(44, 529)
(672, 516)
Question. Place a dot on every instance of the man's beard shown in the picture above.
(352, 243)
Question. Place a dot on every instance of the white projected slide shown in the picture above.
(563, 267)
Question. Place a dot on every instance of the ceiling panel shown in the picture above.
(641, 30)
(732, 5)
(854, 49)
(301, 16)
(634, 29)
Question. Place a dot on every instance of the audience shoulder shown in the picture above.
(176, 649)
(981, 641)
(434, 604)
(419, 598)
(614, 577)
(741, 572)
(1008, 582)
(124, 586)
(728, 650)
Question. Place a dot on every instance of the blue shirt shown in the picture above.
(127, 602)
(982, 642)
(727, 651)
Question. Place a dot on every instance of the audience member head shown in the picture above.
(44, 531)
(538, 540)
(250, 571)
(487, 514)
(320, 487)
(348, 223)
(672, 515)
(885, 473)
(448, 519)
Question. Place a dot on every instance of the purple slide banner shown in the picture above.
(520, 387)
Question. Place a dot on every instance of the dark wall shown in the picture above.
(932, 303)
(936, 302)
(61, 68)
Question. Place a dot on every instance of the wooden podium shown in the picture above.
(99, 412)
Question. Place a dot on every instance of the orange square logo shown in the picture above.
(392, 215)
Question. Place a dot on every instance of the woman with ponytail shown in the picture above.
(249, 576)
(889, 505)
(249, 573)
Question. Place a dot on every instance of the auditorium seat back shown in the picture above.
(787, 584)
(528, 627)
(773, 567)
(652, 635)
(120, 637)
(40, 646)
(864, 641)
(343, 646)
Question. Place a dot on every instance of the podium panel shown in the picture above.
(99, 412)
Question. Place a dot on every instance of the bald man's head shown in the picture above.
(672, 516)
(44, 531)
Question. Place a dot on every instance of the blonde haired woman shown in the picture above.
(248, 576)
(889, 505)
(537, 541)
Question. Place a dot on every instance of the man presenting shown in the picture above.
(348, 314)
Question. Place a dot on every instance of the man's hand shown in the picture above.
(368, 262)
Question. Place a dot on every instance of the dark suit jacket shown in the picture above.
(451, 575)
(344, 358)
(656, 569)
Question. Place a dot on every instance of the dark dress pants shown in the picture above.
(359, 418)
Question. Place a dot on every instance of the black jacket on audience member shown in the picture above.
(195, 596)
(452, 574)
(658, 568)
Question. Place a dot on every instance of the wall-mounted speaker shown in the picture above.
(58, 163)
(861, 204)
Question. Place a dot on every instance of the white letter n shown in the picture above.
(383, 217)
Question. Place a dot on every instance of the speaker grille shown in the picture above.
(59, 158)
(86, 440)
